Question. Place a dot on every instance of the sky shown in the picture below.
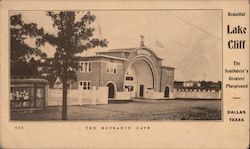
(189, 40)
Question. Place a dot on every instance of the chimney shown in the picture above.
(142, 41)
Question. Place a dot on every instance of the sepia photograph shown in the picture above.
(115, 65)
(124, 74)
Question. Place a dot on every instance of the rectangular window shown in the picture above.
(129, 78)
(111, 68)
(85, 85)
(85, 67)
(89, 67)
(20, 93)
(40, 93)
(88, 85)
(81, 68)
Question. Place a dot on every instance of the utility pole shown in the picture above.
(204, 75)
(100, 34)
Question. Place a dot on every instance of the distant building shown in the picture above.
(197, 89)
(191, 83)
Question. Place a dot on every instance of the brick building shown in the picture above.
(128, 73)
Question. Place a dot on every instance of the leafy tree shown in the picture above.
(73, 37)
(25, 60)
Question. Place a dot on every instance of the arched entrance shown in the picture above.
(166, 93)
(111, 90)
(140, 77)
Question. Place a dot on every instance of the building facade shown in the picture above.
(197, 90)
(128, 73)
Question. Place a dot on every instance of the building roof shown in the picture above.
(105, 56)
(168, 67)
(29, 81)
(128, 50)
(121, 50)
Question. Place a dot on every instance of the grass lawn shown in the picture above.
(141, 110)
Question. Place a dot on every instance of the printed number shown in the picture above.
(19, 128)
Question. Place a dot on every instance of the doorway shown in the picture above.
(141, 90)
(166, 93)
(111, 90)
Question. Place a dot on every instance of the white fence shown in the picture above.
(124, 95)
(149, 94)
(78, 96)
(197, 95)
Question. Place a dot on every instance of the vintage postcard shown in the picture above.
(124, 74)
